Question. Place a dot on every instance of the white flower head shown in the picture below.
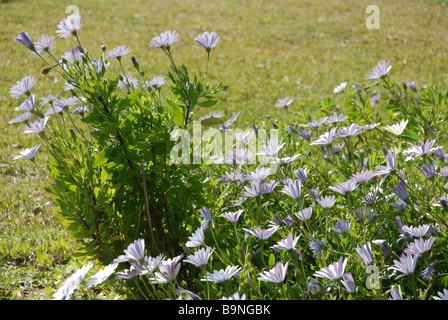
(397, 128)
(22, 87)
(165, 40)
(340, 88)
(69, 26)
(207, 40)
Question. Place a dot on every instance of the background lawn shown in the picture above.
(268, 50)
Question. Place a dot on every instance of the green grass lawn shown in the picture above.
(268, 50)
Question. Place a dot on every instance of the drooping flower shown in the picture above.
(406, 265)
(222, 275)
(254, 190)
(165, 40)
(375, 98)
(28, 104)
(197, 238)
(69, 26)
(102, 275)
(348, 282)
(441, 295)
(24, 39)
(428, 170)
(342, 227)
(363, 176)
(36, 126)
(379, 71)
(262, 234)
(411, 85)
(304, 214)
(418, 232)
(397, 129)
(371, 197)
(292, 188)
(200, 257)
(22, 87)
(439, 153)
(340, 88)
(365, 254)
(168, 270)
(118, 52)
(334, 271)
(44, 44)
(232, 216)
(390, 164)
(207, 40)
(287, 244)
(326, 138)
(419, 246)
(317, 247)
(134, 252)
(401, 192)
(419, 150)
(69, 285)
(28, 153)
(276, 275)
(395, 294)
(285, 102)
(344, 187)
(21, 118)
(301, 174)
(305, 134)
(205, 213)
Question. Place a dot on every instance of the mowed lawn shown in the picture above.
(268, 50)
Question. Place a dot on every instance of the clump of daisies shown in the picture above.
(347, 203)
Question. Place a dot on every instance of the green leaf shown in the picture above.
(101, 158)
(211, 121)
(271, 260)
(207, 103)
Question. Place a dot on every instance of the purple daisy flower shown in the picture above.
(24, 39)
(207, 40)
(292, 188)
(276, 275)
(363, 176)
(285, 102)
(28, 153)
(379, 71)
(334, 271)
(118, 53)
(262, 234)
(44, 44)
(69, 26)
(22, 87)
(165, 40)
(406, 265)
